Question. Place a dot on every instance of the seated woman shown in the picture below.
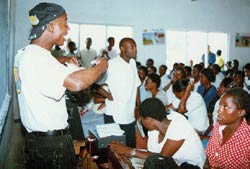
(206, 89)
(152, 85)
(228, 146)
(170, 135)
(178, 74)
(195, 106)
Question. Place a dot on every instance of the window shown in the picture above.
(99, 34)
(183, 46)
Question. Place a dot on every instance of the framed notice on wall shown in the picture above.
(153, 37)
(242, 40)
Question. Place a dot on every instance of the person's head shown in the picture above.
(150, 110)
(202, 64)
(128, 48)
(162, 70)
(142, 72)
(224, 85)
(175, 65)
(247, 70)
(233, 106)
(216, 69)
(149, 63)
(229, 64)
(208, 48)
(207, 76)
(153, 82)
(188, 70)
(238, 78)
(196, 71)
(181, 64)
(138, 64)
(218, 52)
(152, 70)
(179, 74)
(235, 64)
(72, 46)
(179, 87)
(111, 41)
(49, 21)
(88, 42)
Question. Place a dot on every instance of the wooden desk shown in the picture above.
(77, 145)
(116, 161)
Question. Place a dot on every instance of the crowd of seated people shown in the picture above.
(211, 85)
(200, 96)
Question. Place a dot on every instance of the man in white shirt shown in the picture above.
(41, 81)
(123, 82)
(88, 54)
(164, 77)
(111, 52)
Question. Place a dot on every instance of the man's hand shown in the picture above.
(65, 59)
(120, 148)
(73, 60)
(102, 63)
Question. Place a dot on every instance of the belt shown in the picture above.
(61, 132)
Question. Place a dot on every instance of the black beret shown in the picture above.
(41, 15)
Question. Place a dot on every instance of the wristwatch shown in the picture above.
(133, 152)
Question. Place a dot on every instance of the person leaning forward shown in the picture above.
(41, 81)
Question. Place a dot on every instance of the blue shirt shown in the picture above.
(211, 58)
(209, 95)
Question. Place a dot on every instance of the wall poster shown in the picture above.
(242, 40)
(153, 37)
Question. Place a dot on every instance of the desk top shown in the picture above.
(117, 161)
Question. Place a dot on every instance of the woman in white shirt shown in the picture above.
(171, 136)
(152, 85)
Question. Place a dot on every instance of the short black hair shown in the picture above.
(235, 62)
(111, 38)
(164, 66)
(180, 85)
(150, 60)
(247, 66)
(188, 70)
(218, 52)
(240, 98)
(155, 78)
(183, 73)
(144, 69)
(198, 66)
(226, 82)
(154, 108)
(209, 74)
(72, 45)
(154, 68)
(216, 67)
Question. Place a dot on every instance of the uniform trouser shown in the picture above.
(129, 130)
(49, 152)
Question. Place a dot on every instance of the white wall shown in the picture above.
(229, 16)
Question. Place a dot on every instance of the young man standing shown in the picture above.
(123, 81)
(41, 81)
(88, 54)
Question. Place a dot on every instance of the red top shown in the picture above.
(234, 153)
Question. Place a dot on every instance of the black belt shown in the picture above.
(61, 132)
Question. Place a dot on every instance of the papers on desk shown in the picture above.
(112, 129)
(137, 163)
